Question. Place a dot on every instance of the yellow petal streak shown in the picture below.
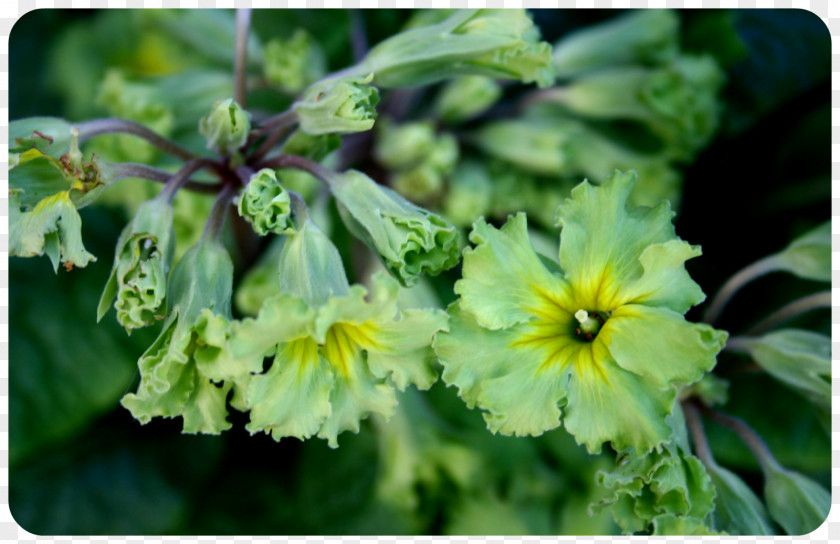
(344, 344)
(303, 351)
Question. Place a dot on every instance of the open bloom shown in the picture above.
(601, 333)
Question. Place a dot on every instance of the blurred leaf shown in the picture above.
(64, 369)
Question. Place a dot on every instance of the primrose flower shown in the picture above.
(176, 378)
(601, 333)
(337, 355)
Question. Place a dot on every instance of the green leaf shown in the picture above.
(799, 358)
(50, 135)
(62, 377)
(409, 240)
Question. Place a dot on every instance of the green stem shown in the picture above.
(753, 441)
(217, 214)
(293, 161)
(698, 435)
(240, 62)
(746, 275)
(115, 125)
(791, 310)
(179, 178)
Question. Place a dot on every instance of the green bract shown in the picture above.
(502, 43)
(410, 240)
(795, 502)
(266, 204)
(175, 378)
(226, 127)
(294, 63)
(737, 509)
(649, 37)
(141, 267)
(517, 348)
(342, 105)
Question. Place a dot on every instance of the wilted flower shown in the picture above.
(601, 332)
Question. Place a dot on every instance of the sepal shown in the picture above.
(226, 127)
(338, 106)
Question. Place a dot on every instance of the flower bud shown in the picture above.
(500, 43)
(141, 267)
(226, 127)
(295, 63)
(266, 204)
(342, 105)
(470, 194)
(410, 240)
(467, 96)
(797, 503)
(648, 37)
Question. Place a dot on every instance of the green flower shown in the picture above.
(141, 266)
(600, 333)
(266, 204)
(648, 37)
(342, 105)
(226, 127)
(410, 240)
(501, 43)
(337, 355)
(177, 378)
(294, 63)
(678, 102)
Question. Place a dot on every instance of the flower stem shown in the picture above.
(698, 435)
(293, 161)
(791, 310)
(217, 214)
(115, 125)
(124, 170)
(179, 178)
(746, 275)
(268, 144)
(240, 63)
(753, 441)
(358, 34)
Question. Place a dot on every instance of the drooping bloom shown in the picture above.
(337, 354)
(599, 334)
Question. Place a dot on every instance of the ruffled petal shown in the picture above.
(504, 282)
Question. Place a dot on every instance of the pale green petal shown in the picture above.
(355, 395)
(602, 240)
(292, 398)
(205, 411)
(218, 356)
(670, 524)
(504, 282)
(665, 281)
(660, 345)
(520, 396)
(609, 404)
(403, 349)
